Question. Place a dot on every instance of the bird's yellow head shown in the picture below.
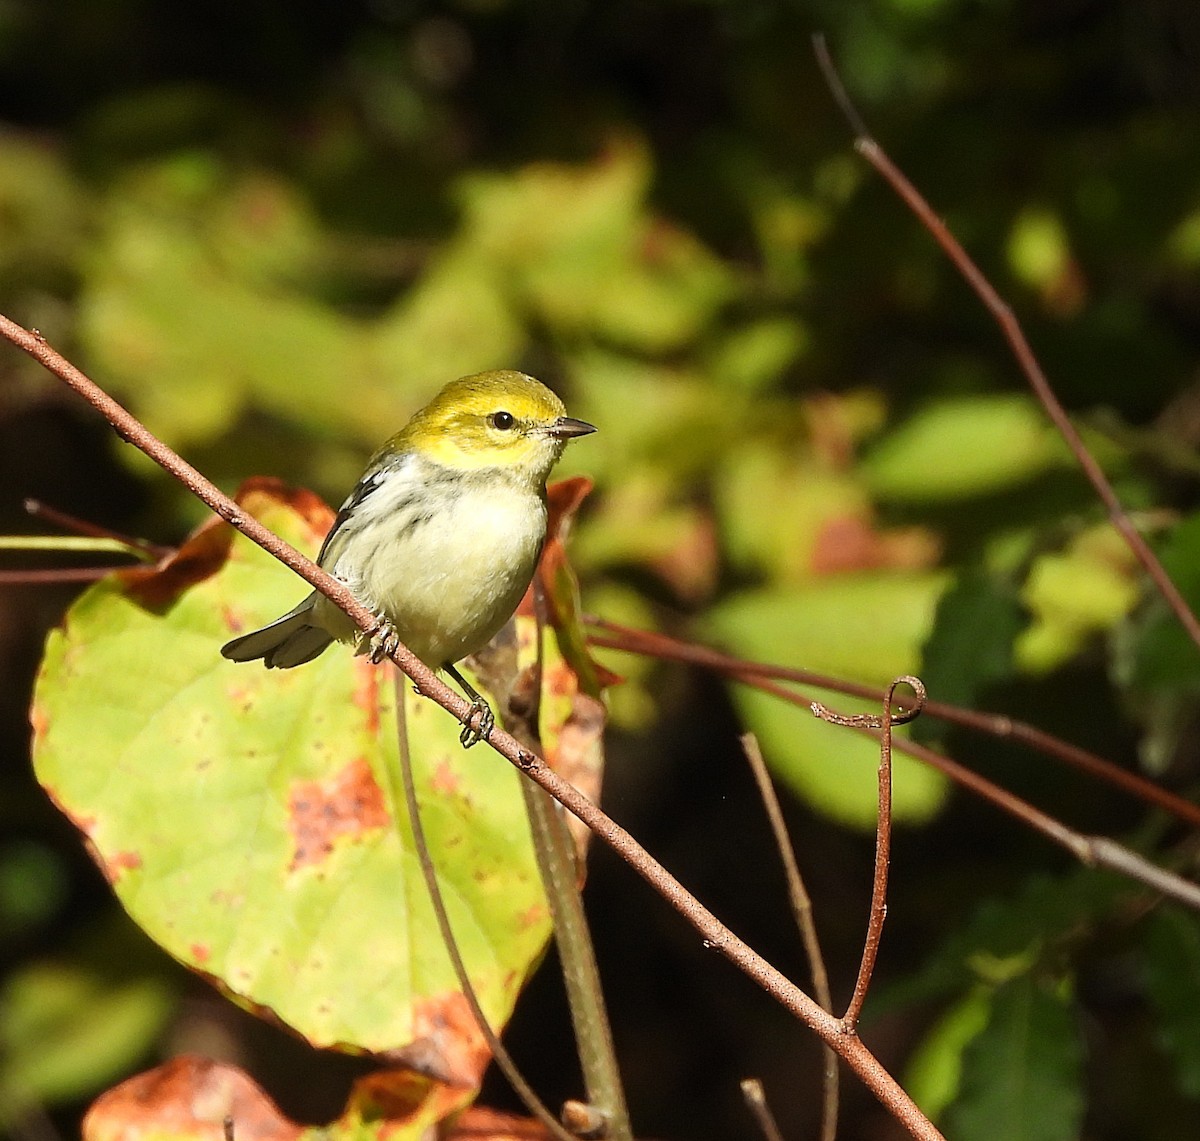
(502, 419)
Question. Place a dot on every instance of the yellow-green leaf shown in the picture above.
(244, 815)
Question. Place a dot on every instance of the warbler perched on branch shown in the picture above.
(441, 536)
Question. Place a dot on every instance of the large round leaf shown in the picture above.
(244, 815)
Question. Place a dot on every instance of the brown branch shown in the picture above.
(712, 931)
(1094, 851)
(1014, 335)
(883, 850)
(802, 913)
(637, 641)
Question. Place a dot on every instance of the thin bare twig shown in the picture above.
(66, 544)
(659, 645)
(1002, 313)
(581, 976)
(40, 510)
(756, 1102)
(408, 791)
(713, 932)
(1094, 851)
(883, 840)
(556, 859)
(802, 913)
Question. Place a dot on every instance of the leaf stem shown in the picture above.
(577, 958)
(802, 913)
(407, 794)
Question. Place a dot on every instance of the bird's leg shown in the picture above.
(384, 638)
(473, 734)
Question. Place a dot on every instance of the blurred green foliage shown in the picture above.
(1021, 1074)
(274, 229)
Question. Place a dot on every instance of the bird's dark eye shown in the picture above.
(502, 420)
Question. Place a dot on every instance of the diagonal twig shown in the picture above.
(40, 510)
(711, 930)
(53, 575)
(756, 1102)
(1002, 313)
(802, 912)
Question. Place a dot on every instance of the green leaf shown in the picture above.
(1159, 653)
(65, 1030)
(189, 260)
(1022, 1075)
(1172, 946)
(1005, 937)
(33, 885)
(935, 1068)
(1039, 250)
(865, 627)
(43, 210)
(953, 449)
(165, 316)
(579, 243)
(1154, 658)
(812, 508)
(244, 817)
(753, 357)
(971, 643)
(682, 420)
(457, 319)
(1074, 594)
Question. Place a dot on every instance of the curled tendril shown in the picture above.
(901, 716)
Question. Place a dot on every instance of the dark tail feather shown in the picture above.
(288, 641)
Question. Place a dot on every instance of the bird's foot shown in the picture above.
(479, 724)
(384, 639)
(480, 720)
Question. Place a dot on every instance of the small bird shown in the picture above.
(441, 536)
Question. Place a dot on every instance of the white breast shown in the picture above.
(447, 567)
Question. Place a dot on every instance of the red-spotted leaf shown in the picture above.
(244, 815)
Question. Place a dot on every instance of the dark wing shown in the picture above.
(365, 486)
